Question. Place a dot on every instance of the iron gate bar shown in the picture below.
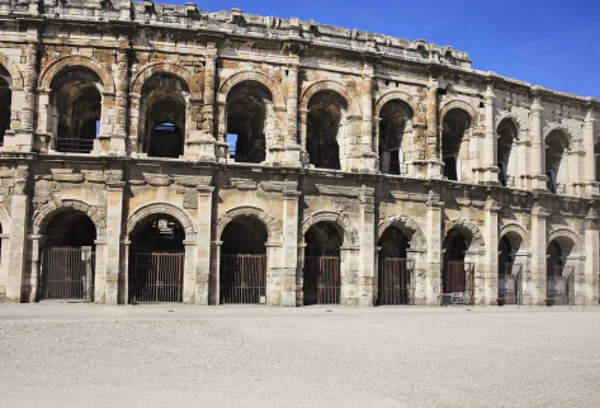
(67, 274)
(395, 282)
(458, 283)
(156, 277)
(322, 280)
(509, 285)
(243, 279)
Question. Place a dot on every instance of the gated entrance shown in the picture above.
(67, 261)
(156, 261)
(559, 278)
(322, 275)
(243, 270)
(457, 276)
(395, 285)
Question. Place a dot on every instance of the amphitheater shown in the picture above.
(156, 153)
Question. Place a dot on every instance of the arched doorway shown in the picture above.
(395, 121)
(507, 135)
(156, 260)
(326, 129)
(322, 279)
(68, 258)
(395, 283)
(456, 127)
(243, 270)
(510, 274)
(457, 275)
(559, 274)
(556, 158)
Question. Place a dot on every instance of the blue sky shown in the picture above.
(553, 43)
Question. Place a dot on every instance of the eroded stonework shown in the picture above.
(136, 128)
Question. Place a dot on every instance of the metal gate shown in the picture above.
(67, 274)
(243, 279)
(458, 283)
(509, 285)
(395, 282)
(155, 277)
(322, 281)
(560, 288)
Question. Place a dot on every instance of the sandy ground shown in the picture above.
(162, 356)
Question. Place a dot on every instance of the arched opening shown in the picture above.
(77, 107)
(509, 273)
(395, 121)
(557, 145)
(163, 114)
(325, 128)
(243, 271)
(559, 274)
(457, 276)
(68, 258)
(5, 103)
(455, 138)
(395, 286)
(156, 260)
(322, 279)
(507, 134)
(249, 116)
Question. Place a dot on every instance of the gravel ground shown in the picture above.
(91, 356)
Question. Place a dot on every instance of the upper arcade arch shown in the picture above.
(244, 76)
(71, 62)
(16, 77)
(394, 135)
(148, 71)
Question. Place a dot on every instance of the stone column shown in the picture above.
(591, 284)
(215, 269)
(522, 165)
(31, 284)
(221, 146)
(189, 271)
(119, 135)
(292, 148)
(415, 259)
(433, 258)
(300, 272)
(349, 275)
(123, 297)
(369, 157)
(203, 263)
(304, 159)
(4, 258)
(589, 168)
(367, 243)
(432, 155)
(43, 128)
(289, 267)
(17, 248)
(207, 142)
(488, 156)
(108, 276)
(539, 246)
(490, 291)
(536, 171)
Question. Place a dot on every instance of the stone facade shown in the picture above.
(120, 111)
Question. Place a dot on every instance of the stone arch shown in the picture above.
(16, 76)
(393, 95)
(273, 226)
(562, 233)
(329, 85)
(518, 121)
(339, 220)
(161, 208)
(44, 215)
(148, 70)
(566, 130)
(458, 104)
(73, 61)
(418, 240)
(468, 227)
(238, 78)
(517, 229)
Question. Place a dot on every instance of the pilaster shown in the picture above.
(292, 148)
(488, 156)
(203, 262)
(17, 248)
(369, 157)
(536, 171)
(491, 251)
(589, 168)
(591, 284)
(207, 140)
(433, 257)
(434, 164)
(107, 276)
(539, 246)
(367, 239)
(119, 136)
(289, 270)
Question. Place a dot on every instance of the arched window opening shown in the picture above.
(249, 114)
(457, 280)
(507, 134)
(156, 260)
(557, 146)
(560, 275)
(395, 285)
(5, 103)
(163, 114)
(68, 258)
(322, 279)
(243, 268)
(325, 129)
(395, 117)
(77, 106)
(455, 126)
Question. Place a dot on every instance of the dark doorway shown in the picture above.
(395, 286)
(322, 280)
(508, 273)
(559, 277)
(243, 273)
(457, 278)
(454, 134)
(324, 123)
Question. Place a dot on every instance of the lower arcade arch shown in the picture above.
(560, 271)
(457, 275)
(68, 258)
(156, 260)
(243, 267)
(322, 264)
(395, 284)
